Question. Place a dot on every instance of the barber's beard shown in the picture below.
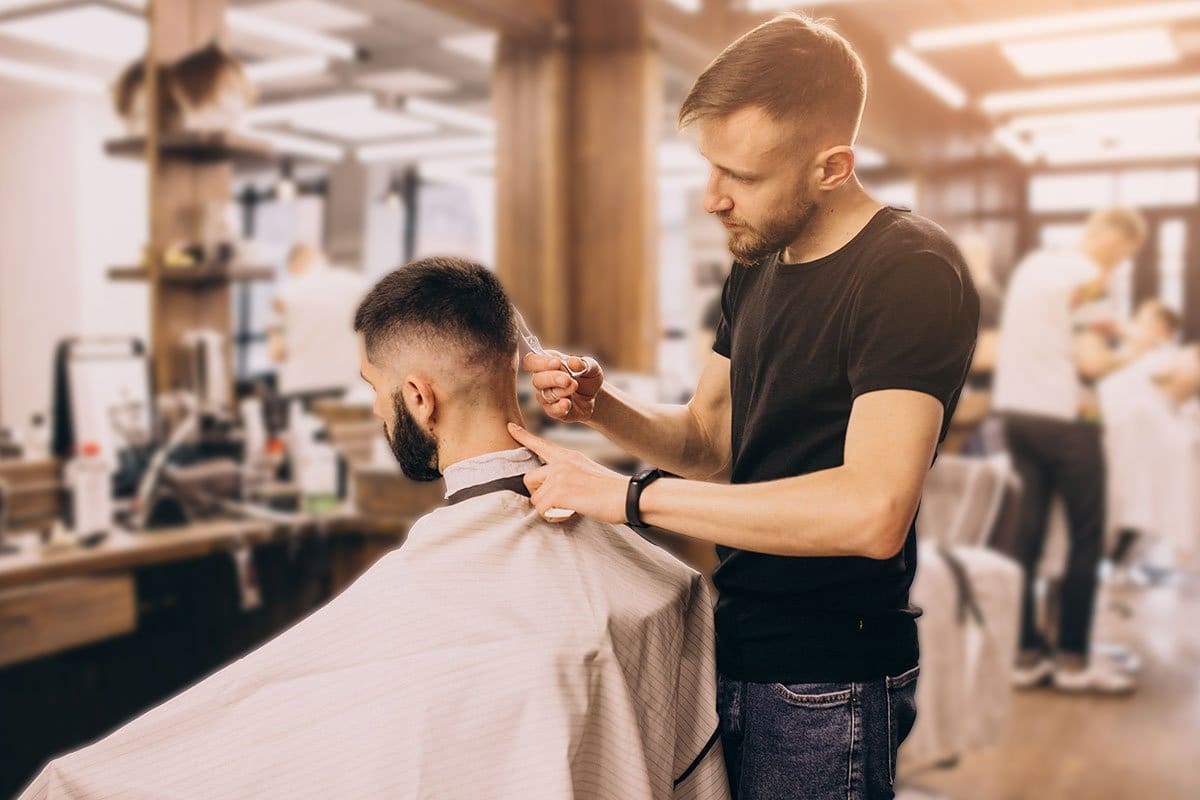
(414, 449)
(753, 246)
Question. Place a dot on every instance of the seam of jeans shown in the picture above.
(904, 678)
(850, 760)
(887, 696)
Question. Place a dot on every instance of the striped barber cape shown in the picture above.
(494, 655)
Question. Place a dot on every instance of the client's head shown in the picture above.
(1154, 323)
(439, 348)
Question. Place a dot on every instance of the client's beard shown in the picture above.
(414, 449)
(752, 247)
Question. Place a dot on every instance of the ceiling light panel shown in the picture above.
(1051, 24)
(1092, 53)
(92, 31)
(427, 148)
(479, 47)
(313, 15)
(49, 77)
(926, 75)
(1091, 94)
(364, 124)
(406, 82)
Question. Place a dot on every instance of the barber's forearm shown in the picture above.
(666, 436)
(828, 513)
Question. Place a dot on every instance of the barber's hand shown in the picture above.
(562, 397)
(572, 480)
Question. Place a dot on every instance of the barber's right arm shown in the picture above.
(692, 441)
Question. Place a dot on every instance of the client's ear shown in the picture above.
(418, 393)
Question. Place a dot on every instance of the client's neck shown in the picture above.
(479, 431)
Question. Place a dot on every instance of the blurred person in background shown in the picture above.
(974, 431)
(1055, 340)
(312, 338)
(1150, 437)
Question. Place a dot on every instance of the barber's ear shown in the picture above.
(836, 165)
(418, 393)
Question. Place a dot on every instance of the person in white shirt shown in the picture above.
(1150, 442)
(313, 339)
(494, 655)
(1053, 341)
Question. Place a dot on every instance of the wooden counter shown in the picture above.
(124, 551)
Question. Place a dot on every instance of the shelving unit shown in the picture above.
(190, 276)
(209, 147)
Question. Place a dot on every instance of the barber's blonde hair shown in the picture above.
(1127, 221)
(792, 67)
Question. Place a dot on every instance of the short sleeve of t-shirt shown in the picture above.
(914, 327)
(722, 344)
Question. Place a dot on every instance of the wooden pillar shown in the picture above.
(578, 120)
(529, 95)
(180, 189)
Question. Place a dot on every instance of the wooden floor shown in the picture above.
(1143, 746)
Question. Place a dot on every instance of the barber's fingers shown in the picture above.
(562, 383)
(535, 362)
(588, 365)
(535, 478)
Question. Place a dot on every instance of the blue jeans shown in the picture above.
(815, 741)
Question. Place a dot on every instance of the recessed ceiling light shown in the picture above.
(405, 82)
(1090, 93)
(7, 6)
(1132, 121)
(253, 24)
(1123, 151)
(313, 15)
(1047, 25)
(427, 148)
(91, 30)
(1092, 52)
(295, 109)
(53, 78)
(479, 47)
(289, 35)
(456, 117)
(364, 124)
(282, 69)
(787, 5)
(1013, 143)
(923, 73)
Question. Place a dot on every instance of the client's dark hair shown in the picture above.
(440, 298)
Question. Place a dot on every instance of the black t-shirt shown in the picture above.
(892, 309)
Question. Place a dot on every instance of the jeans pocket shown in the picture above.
(800, 742)
(813, 695)
(902, 713)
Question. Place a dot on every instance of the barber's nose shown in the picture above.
(714, 200)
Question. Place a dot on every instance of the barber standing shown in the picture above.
(846, 332)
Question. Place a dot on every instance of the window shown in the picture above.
(1084, 191)
(1172, 244)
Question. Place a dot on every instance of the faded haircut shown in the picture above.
(439, 300)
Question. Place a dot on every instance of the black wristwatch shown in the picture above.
(633, 496)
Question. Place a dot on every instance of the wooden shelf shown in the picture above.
(195, 275)
(200, 148)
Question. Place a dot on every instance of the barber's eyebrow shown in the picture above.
(730, 171)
